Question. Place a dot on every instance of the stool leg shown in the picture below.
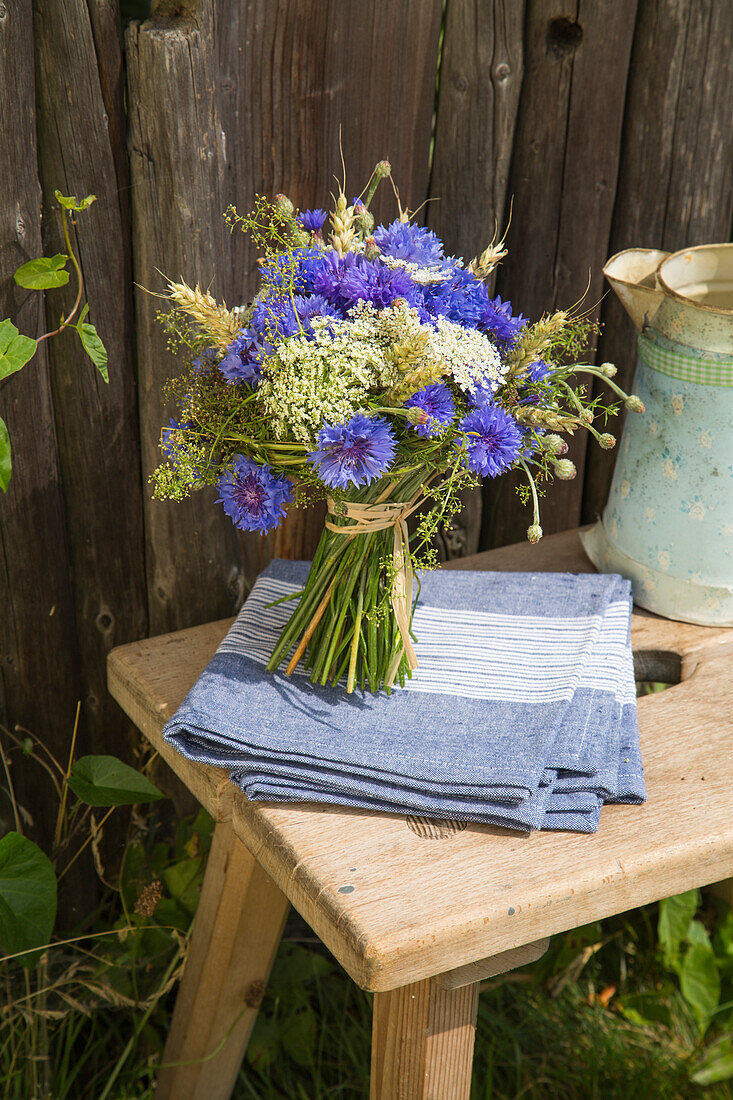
(237, 930)
(422, 1042)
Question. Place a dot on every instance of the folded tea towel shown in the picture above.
(522, 712)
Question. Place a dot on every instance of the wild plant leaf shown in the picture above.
(44, 273)
(697, 933)
(184, 879)
(299, 1037)
(27, 895)
(70, 202)
(94, 347)
(675, 914)
(15, 350)
(716, 1063)
(6, 461)
(263, 1046)
(700, 982)
(106, 781)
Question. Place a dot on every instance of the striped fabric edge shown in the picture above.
(487, 656)
(685, 368)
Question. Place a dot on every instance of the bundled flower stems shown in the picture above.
(375, 372)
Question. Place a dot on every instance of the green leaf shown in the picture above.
(697, 933)
(27, 895)
(43, 273)
(184, 881)
(700, 982)
(675, 914)
(94, 347)
(70, 202)
(299, 1036)
(106, 781)
(716, 1063)
(6, 461)
(15, 350)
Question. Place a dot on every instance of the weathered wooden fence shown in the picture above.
(607, 122)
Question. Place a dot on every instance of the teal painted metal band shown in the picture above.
(686, 368)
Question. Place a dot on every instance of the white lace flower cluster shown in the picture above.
(324, 380)
(469, 356)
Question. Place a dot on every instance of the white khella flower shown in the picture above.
(470, 356)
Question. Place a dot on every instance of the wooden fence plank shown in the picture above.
(292, 76)
(38, 659)
(478, 96)
(81, 150)
(563, 181)
(675, 183)
(194, 568)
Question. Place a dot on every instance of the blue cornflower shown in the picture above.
(412, 243)
(294, 270)
(436, 402)
(498, 319)
(274, 318)
(252, 496)
(344, 282)
(355, 453)
(312, 220)
(460, 298)
(314, 305)
(243, 360)
(493, 440)
(538, 371)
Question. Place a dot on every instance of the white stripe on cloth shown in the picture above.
(486, 655)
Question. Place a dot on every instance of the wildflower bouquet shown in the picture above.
(374, 371)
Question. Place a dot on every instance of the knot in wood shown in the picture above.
(564, 35)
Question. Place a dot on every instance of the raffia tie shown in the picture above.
(366, 518)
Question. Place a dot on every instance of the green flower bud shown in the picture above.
(607, 441)
(383, 169)
(608, 369)
(564, 469)
(416, 416)
(585, 416)
(534, 533)
(634, 404)
(284, 205)
(371, 249)
(554, 444)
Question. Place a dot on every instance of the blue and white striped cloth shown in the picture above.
(522, 712)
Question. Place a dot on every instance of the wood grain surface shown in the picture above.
(82, 150)
(396, 907)
(39, 681)
(675, 183)
(193, 557)
(563, 183)
(422, 1042)
(236, 934)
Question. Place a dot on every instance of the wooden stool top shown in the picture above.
(400, 899)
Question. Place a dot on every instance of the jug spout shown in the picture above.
(633, 276)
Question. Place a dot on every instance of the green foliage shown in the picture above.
(688, 950)
(46, 273)
(43, 274)
(106, 781)
(15, 350)
(92, 344)
(70, 202)
(6, 460)
(27, 896)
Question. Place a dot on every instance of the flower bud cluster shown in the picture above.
(564, 469)
(534, 533)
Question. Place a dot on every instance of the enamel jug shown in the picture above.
(668, 524)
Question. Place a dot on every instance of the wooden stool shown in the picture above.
(420, 911)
